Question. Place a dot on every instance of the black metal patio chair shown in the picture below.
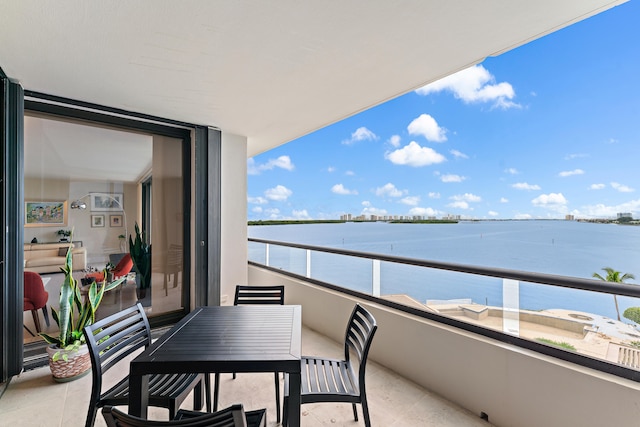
(118, 336)
(255, 295)
(332, 380)
(233, 416)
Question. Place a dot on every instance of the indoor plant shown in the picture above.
(64, 234)
(140, 252)
(68, 355)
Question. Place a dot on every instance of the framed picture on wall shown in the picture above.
(45, 214)
(115, 220)
(106, 202)
(97, 220)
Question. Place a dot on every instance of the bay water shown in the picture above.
(568, 248)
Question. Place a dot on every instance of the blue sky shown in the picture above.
(548, 129)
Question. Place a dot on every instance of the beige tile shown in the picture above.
(393, 400)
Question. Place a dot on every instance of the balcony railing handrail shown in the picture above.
(593, 285)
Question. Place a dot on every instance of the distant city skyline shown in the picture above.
(546, 130)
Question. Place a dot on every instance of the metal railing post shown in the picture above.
(375, 278)
(266, 254)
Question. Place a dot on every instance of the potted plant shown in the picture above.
(64, 234)
(140, 252)
(68, 355)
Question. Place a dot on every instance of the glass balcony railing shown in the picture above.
(580, 320)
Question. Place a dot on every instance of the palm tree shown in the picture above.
(617, 277)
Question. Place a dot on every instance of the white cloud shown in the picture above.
(467, 197)
(459, 205)
(272, 213)
(474, 85)
(597, 186)
(301, 214)
(350, 173)
(512, 171)
(452, 178)
(549, 200)
(603, 211)
(279, 193)
(339, 189)
(331, 169)
(360, 134)
(612, 141)
(390, 190)
(434, 195)
(622, 188)
(395, 140)
(411, 200)
(257, 200)
(427, 126)
(283, 162)
(522, 216)
(504, 200)
(525, 186)
(493, 213)
(256, 209)
(458, 154)
(366, 203)
(571, 173)
(373, 211)
(575, 156)
(415, 155)
(424, 212)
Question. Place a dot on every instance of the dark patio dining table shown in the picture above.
(225, 339)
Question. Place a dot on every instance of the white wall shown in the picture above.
(233, 258)
(514, 386)
(100, 242)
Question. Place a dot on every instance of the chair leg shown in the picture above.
(45, 314)
(207, 388)
(365, 412)
(277, 397)
(198, 397)
(36, 320)
(355, 411)
(91, 415)
(216, 391)
(285, 412)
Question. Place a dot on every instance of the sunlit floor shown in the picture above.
(34, 399)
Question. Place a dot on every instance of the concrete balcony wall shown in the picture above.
(233, 221)
(514, 386)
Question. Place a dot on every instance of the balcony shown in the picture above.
(485, 358)
(34, 399)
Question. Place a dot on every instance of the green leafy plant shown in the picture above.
(635, 344)
(563, 345)
(76, 311)
(64, 233)
(633, 314)
(140, 252)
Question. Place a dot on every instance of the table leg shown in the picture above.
(294, 399)
(138, 395)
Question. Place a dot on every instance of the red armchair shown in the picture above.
(121, 269)
(35, 297)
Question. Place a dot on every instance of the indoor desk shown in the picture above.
(225, 339)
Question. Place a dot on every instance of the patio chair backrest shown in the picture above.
(360, 331)
(113, 338)
(246, 295)
(232, 416)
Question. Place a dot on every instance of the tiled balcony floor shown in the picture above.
(34, 399)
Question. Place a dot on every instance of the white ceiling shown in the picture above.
(269, 70)
(66, 150)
